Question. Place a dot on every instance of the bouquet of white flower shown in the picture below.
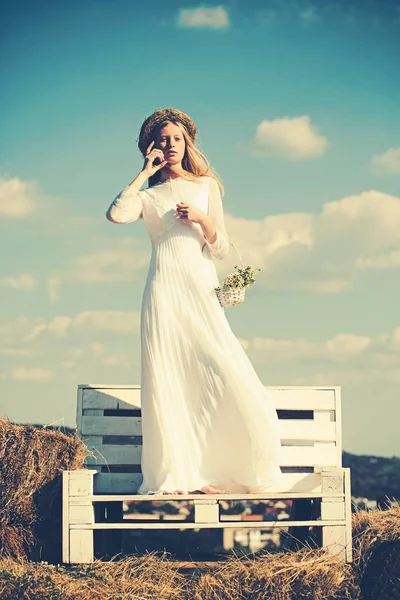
(234, 286)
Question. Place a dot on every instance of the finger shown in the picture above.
(150, 145)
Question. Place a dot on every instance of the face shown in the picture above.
(170, 140)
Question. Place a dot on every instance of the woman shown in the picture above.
(208, 422)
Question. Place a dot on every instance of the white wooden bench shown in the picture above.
(109, 422)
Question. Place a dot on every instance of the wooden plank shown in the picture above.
(334, 538)
(106, 483)
(219, 497)
(106, 396)
(121, 483)
(111, 454)
(206, 511)
(332, 480)
(291, 456)
(332, 511)
(124, 386)
(348, 516)
(303, 398)
(111, 426)
(65, 519)
(339, 425)
(81, 513)
(190, 525)
(113, 398)
(82, 546)
(308, 456)
(107, 386)
(301, 429)
(81, 482)
(79, 410)
(306, 429)
(322, 418)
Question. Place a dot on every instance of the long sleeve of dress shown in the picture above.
(126, 207)
(220, 247)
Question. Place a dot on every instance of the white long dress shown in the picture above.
(206, 416)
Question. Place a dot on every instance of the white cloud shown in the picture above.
(117, 360)
(385, 261)
(53, 285)
(24, 281)
(16, 352)
(320, 253)
(21, 373)
(67, 364)
(337, 349)
(116, 321)
(289, 138)
(386, 163)
(309, 14)
(97, 349)
(313, 11)
(343, 359)
(14, 329)
(214, 18)
(344, 346)
(117, 263)
(17, 198)
(59, 325)
(22, 331)
(112, 321)
(36, 331)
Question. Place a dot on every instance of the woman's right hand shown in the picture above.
(151, 155)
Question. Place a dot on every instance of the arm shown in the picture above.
(215, 235)
(128, 205)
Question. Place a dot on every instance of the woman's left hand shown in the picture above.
(189, 212)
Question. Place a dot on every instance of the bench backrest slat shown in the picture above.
(109, 422)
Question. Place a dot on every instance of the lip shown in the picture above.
(169, 153)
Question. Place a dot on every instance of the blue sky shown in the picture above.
(297, 109)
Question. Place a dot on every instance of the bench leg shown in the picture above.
(206, 511)
(81, 546)
(333, 536)
(348, 513)
(80, 516)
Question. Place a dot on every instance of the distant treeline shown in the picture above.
(373, 477)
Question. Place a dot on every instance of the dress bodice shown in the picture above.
(156, 205)
(159, 207)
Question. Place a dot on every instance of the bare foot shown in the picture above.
(210, 489)
(174, 492)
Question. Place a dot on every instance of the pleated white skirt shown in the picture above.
(206, 416)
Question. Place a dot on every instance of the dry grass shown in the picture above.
(31, 460)
(144, 578)
(371, 528)
(302, 575)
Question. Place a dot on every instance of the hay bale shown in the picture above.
(376, 546)
(31, 461)
(381, 577)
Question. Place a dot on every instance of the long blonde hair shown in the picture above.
(194, 162)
